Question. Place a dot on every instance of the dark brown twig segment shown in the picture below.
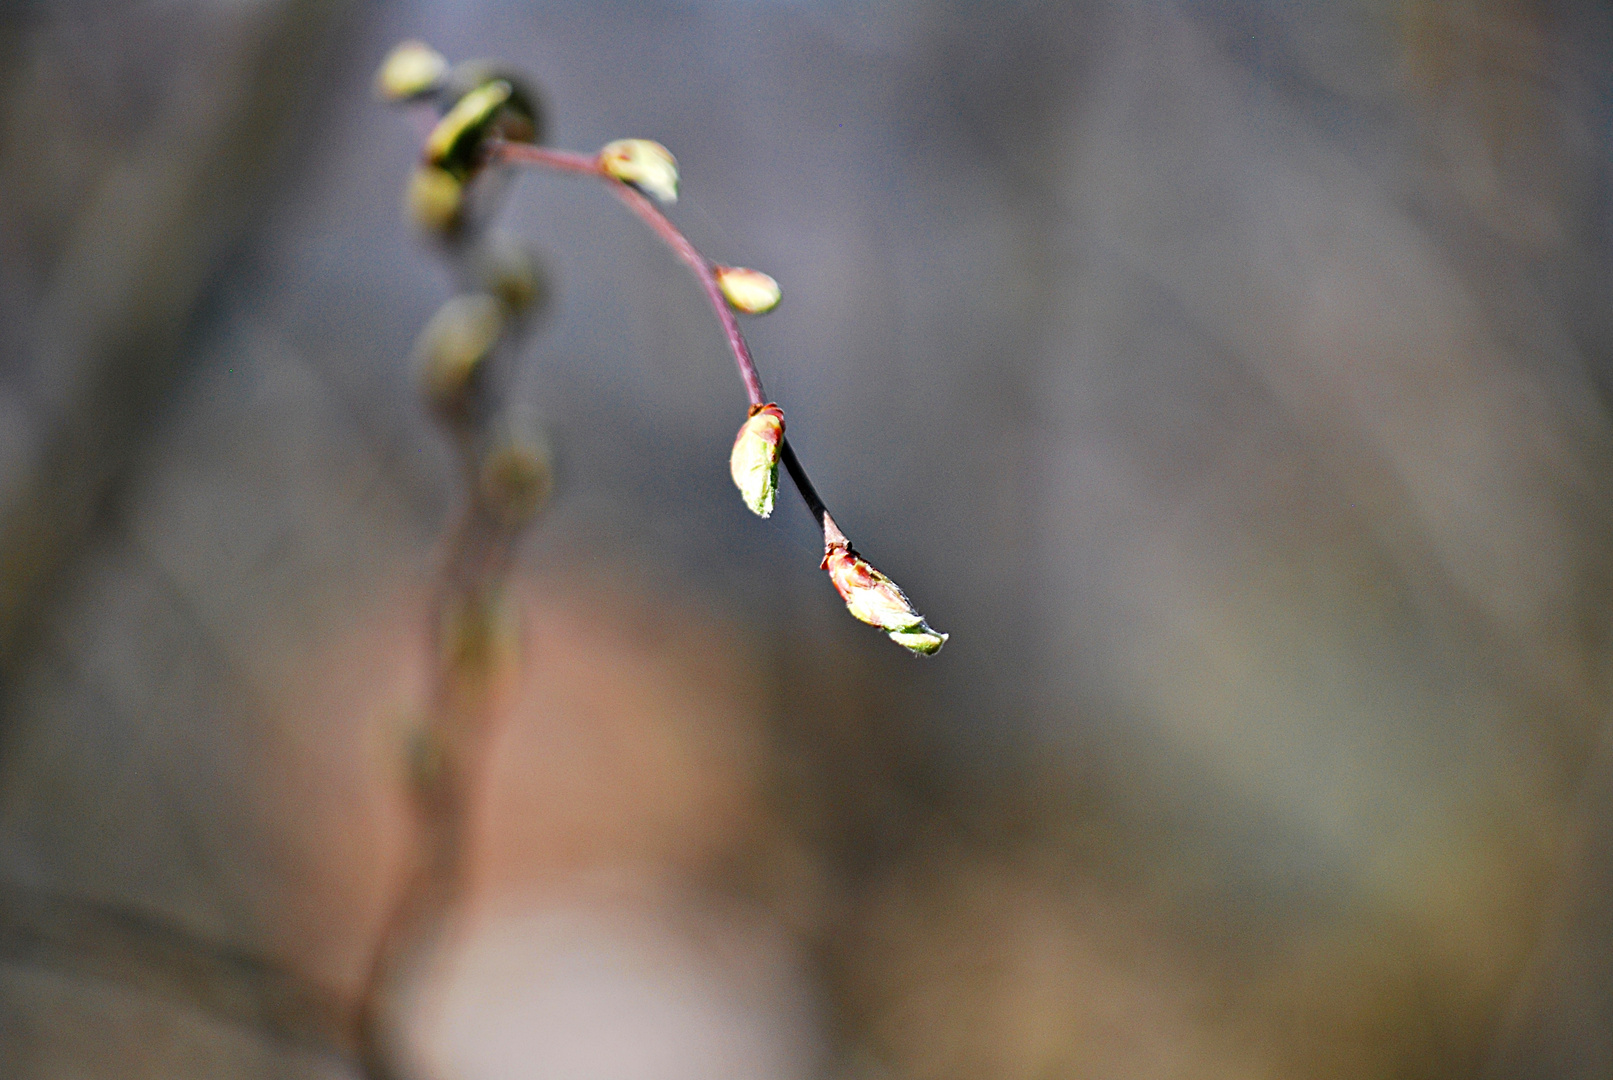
(832, 536)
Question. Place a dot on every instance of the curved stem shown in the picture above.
(661, 225)
(705, 271)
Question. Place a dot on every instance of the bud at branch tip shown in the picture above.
(875, 599)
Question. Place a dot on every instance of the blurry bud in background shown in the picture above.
(455, 144)
(435, 200)
(481, 635)
(645, 164)
(521, 117)
(451, 350)
(513, 274)
(873, 598)
(754, 459)
(516, 474)
(412, 70)
(750, 291)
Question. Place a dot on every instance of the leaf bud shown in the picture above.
(435, 200)
(411, 70)
(521, 117)
(875, 599)
(510, 272)
(453, 347)
(455, 144)
(750, 291)
(753, 462)
(516, 475)
(645, 164)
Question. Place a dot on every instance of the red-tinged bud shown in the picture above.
(645, 164)
(754, 460)
(750, 291)
(875, 599)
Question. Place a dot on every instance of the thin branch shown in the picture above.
(705, 271)
(832, 536)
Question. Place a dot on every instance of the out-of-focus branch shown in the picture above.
(140, 258)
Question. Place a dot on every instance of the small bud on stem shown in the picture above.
(645, 164)
(452, 348)
(411, 70)
(754, 460)
(750, 291)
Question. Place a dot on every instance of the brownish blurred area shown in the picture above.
(1230, 378)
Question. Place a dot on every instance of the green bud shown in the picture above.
(875, 599)
(753, 462)
(516, 475)
(645, 164)
(435, 200)
(521, 118)
(411, 70)
(452, 348)
(454, 145)
(509, 272)
(750, 291)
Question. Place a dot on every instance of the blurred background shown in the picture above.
(1229, 378)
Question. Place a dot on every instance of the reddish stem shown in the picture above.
(705, 270)
(650, 214)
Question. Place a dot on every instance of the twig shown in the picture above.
(870, 596)
(661, 225)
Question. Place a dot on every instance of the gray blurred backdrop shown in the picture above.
(1231, 379)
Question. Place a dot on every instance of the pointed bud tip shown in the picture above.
(753, 463)
(875, 599)
(750, 291)
(645, 164)
(411, 69)
(924, 642)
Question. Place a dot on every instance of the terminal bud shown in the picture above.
(750, 291)
(645, 164)
(754, 460)
(875, 599)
